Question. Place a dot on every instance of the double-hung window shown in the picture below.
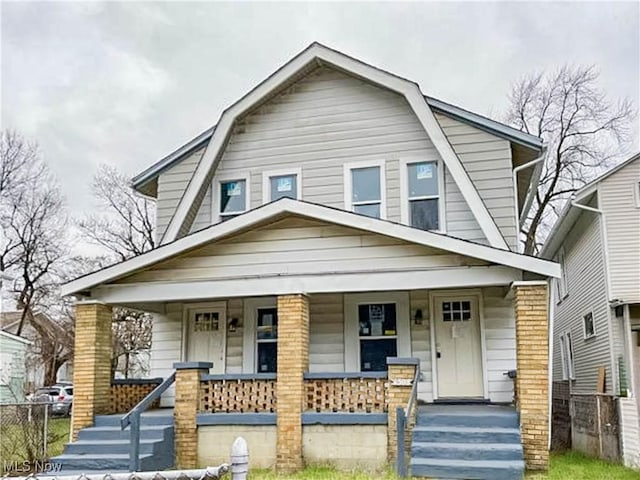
(281, 184)
(233, 197)
(422, 202)
(566, 356)
(562, 284)
(365, 189)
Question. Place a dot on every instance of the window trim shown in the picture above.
(351, 325)
(215, 197)
(584, 325)
(636, 191)
(258, 341)
(266, 182)
(404, 192)
(348, 184)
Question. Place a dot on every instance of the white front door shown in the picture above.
(206, 336)
(458, 347)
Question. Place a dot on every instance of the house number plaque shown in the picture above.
(402, 382)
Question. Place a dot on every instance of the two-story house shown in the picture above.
(596, 304)
(339, 245)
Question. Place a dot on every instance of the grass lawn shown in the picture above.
(568, 466)
(58, 435)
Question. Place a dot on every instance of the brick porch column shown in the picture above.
(293, 362)
(185, 410)
(532, 354)
(400, 374)
(91, 364)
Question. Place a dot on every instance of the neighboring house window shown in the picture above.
(562, 285)
(365, 189)
(589, 325)
(566, 355)
(267, 340)
(421, 187)
(378, 335)
(233, 197)
(281, 184)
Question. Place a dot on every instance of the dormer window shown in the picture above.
(422, 203)
(233, 197)
(365, 189)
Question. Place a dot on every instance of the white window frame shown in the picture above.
(352, 331)
(562, 283)
(636, 192)
(266, 182)
(404, 192)
(348, 185)
(566, 356)
(584, 325)
(215, 197)
(250, 332)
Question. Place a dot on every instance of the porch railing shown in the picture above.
(359, 392)
(242, 393)
(405, 420)
(132, 420)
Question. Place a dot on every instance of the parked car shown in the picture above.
(60, 396)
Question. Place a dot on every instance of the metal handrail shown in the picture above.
(403, 418)
(133, 419)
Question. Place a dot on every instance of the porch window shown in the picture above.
(423, 195)
(378, 335)
(233, 198)
(364, 190)
(267, 340)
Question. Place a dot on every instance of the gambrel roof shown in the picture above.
(215, 139)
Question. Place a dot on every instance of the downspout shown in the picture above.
(552, 301)
(517, 170)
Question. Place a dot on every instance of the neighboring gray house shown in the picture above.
(335, 218)
(13, 351)
(596, 303)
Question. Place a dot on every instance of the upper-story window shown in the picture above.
(281, 184)
(421, 195)
(636, 191)
(562, 284)
(365, 189)
(233, 197)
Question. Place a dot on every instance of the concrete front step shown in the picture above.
(101, 462)
(468, 469)
(467, 451)
(116, 433)
(481, 419)
(145, 419)
(456, 434)
(87, 447)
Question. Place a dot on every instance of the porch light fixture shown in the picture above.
(418, 317)
(233, 324)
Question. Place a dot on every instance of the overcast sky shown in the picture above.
(126, 83)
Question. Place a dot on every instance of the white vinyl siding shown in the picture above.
(171, 187)
(622, 217)
(166, 346)
(296, 246)
(487, 160)
(585, 271)
(326, 333)
(421, 342)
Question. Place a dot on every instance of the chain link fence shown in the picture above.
(25, 436)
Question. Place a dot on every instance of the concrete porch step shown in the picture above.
(87, 447)
(467, 451)
(457, 434)
(102, 462)
(467, 469)
(480, 419)
(147, 418)
(116, 433)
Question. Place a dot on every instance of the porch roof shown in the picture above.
(288, 207)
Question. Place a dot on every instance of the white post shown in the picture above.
(239, 459)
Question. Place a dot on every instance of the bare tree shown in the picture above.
(584, 132)
(33, 222)
(126, 228)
